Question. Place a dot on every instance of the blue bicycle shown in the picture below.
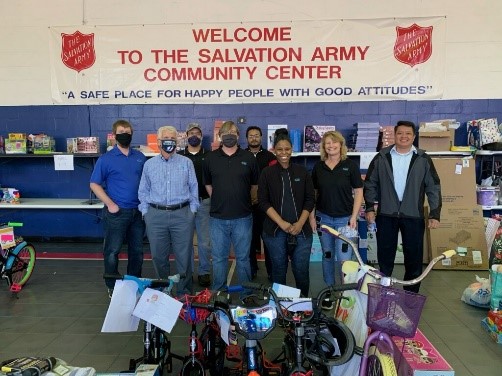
(17, 258)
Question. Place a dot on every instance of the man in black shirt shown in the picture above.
(264, 158)
(231, 179)
(197, 153)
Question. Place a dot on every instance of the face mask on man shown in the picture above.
(124, 139)
(168, 146)
(194, 141)
(229, 140)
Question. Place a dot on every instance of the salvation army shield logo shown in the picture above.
(413, 44)
(77, 50)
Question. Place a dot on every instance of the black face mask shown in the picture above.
(124, 139)
(194, 141)
(168, 146)
(229, 140)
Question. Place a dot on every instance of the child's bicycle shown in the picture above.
(312, 340)
(17, 258)
(252, 323)
(156, 344)
(390, 312)
(208, 350)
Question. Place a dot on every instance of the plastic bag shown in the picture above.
(478, 294)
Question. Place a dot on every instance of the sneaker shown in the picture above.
(326, 305)
(205, 280)
(110, 293)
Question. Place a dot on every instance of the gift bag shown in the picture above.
(489, 131)
(496, 279)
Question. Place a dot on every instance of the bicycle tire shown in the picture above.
(380, 364)
(22, 268)
(192, 367)
(214, 350)
(159, 350)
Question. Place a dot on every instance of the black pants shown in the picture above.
(412, 233)
(258, 218)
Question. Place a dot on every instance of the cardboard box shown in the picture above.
(87, 145)
(71, 145)
(420, 357)
(435, 141)
(458, 180)
(462, 229)
(151, 142)
(15, 146)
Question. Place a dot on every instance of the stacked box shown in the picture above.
(87, 145)
(16, 143)
(367, 137)
(42, 144)
(386, 136)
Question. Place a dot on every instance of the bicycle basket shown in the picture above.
(194, 315)
(394, 311)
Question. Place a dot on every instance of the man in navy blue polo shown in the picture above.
(115, 181)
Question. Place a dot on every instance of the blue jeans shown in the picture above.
(226, 231)
(300, 259)
(203, 237)
(332, 253)
(128, 225)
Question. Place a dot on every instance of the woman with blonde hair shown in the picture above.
(339, 195)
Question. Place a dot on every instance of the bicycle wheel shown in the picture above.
(159, 351)
(23, 265)
(380, 364)
(192, 367)
(214, 350)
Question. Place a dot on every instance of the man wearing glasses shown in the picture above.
(231, 178)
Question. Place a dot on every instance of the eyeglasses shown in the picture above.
(254, 136)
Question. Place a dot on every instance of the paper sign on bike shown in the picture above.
(119, 317)
(7, 239)
(158, 308)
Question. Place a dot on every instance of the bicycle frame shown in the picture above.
(156, 345)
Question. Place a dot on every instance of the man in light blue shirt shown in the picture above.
(169, 198)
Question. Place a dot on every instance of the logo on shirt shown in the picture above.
(297, 179)
(244, 163)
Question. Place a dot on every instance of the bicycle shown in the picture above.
(156, 344)
(208, 350)
(390, 312)
(252, 323)
(312, 340)
(17, 258)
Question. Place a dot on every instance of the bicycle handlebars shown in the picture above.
(383, 280)
(143, 283)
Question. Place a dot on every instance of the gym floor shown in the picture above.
(60, 313)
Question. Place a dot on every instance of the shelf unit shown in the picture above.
(52, 203)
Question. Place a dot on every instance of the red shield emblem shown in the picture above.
(413, 44)
(77, 50)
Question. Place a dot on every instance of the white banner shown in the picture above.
(307, 61)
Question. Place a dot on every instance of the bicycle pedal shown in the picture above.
(233, 353)
(15, 288)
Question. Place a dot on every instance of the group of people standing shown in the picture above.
(235, 197)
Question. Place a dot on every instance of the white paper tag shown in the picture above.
(477, 258)
(458, 169)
